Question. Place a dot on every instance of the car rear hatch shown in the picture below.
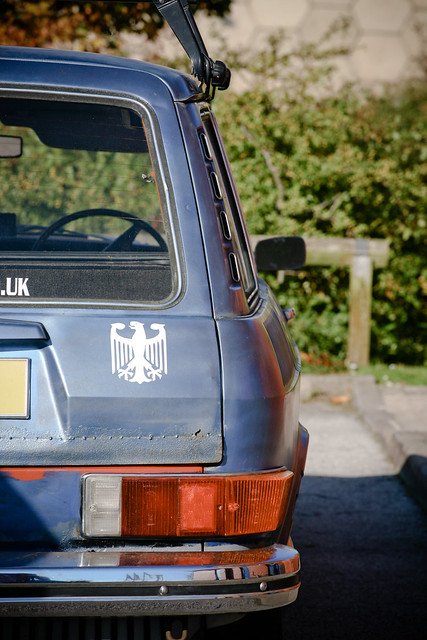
(101, 362)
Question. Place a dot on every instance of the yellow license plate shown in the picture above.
(14, 388)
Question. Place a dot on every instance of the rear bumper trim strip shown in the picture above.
(117, 583)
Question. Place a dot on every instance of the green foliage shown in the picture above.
(95, 24)
(388, 374)
(396, 374)
(312, 161)
(46, 183)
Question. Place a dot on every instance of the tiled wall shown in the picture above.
(387, 38)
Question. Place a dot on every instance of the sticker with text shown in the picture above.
(14, 287)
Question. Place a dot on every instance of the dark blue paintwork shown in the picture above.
(54, 68)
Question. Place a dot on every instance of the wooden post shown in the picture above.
(359, 327)
(361, 256)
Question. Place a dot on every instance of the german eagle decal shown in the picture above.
(138, 358)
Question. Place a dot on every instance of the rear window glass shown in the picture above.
(80, 205)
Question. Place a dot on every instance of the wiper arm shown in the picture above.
(177, 14)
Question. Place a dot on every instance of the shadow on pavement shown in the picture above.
(363, 551)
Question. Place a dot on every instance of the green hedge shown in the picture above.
(314, 162)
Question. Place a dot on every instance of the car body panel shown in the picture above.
(61, 69)
(76, 399)
(261, 390)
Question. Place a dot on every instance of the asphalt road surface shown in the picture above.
(362, 541)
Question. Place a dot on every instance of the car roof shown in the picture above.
(182, 86)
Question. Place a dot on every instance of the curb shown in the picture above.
(406, 449)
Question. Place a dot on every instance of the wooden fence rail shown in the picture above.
(361, 256)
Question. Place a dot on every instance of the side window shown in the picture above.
(81, 215)
(231, 220)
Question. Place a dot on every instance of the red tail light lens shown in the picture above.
(199, 502)
(149, 505)
(193, 506)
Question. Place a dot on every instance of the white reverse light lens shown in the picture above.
(102, 505)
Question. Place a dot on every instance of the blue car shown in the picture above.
(150, 447)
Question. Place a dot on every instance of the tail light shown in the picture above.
(184, 506)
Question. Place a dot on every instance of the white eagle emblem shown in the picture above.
(138, 358)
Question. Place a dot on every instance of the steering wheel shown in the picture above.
(121, 243)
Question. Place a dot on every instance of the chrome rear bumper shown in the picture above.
(124, 583)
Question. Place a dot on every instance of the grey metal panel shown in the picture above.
(17, 331)
(259, 360)
(260, 388)
(83, 413)
(227, 297)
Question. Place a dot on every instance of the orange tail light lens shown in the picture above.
(187, 506)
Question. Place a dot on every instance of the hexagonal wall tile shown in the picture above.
(333, 2)
(343, 72)
(319, 20)
(413, 70)
(236, 29)
(279, 13)
(415, 34)
(381, 58)
(385, 15)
